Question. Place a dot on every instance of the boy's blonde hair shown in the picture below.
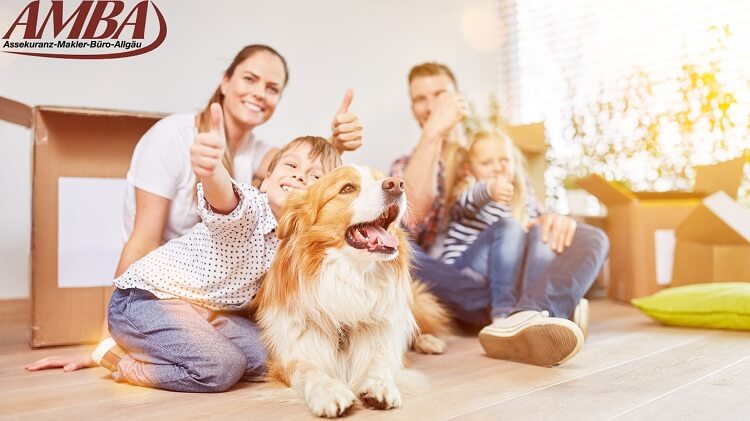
(319, 148)
(520, 189)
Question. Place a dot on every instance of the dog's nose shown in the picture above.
(393, 185)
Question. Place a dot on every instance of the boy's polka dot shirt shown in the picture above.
(219, 263)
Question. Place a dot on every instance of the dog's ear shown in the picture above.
(299, 214)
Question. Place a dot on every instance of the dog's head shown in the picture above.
(353, 209)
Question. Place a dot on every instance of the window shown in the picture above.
(638, 90)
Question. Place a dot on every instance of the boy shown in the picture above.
(179, 314)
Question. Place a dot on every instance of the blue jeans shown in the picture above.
(174, 345)
(509, 270)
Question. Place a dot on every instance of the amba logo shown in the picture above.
(96, 29)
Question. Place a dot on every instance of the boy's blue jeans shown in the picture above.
(509, 270)
(175, 345)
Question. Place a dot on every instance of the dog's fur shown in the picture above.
(337, 318)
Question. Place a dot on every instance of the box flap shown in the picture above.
(718, 220)
(608, 193)
(724, 176)
(15, 112)
(529, 137)
(103, 112)
(668, 195)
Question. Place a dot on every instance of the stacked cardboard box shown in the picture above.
(713, 243)
(641, 226)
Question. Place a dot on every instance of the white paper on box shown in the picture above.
(664, 243)
(89, 237)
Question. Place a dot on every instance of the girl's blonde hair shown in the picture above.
(520, 189)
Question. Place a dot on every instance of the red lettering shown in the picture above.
(30, 24)
(109, 21)
(139, 26)
(56, 12)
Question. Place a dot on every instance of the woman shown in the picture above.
(160, 201)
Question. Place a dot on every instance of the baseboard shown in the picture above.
(17, 310)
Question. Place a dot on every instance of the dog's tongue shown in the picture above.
(376, 236)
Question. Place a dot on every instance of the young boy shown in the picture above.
(178, 317)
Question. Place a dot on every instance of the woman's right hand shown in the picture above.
(67, 363)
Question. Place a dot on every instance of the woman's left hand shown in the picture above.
(346, 128)
(558, 231)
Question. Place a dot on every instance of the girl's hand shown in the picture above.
(67, 363)
(346, 129)
(208, 148)
(501, 189)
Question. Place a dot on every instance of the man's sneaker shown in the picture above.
(581, 316)
(108, 354)
(532, 337)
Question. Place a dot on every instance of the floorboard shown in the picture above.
(630, 368)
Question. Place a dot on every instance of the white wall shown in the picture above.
(330, 45)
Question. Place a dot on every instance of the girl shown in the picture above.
(492, 188)
(514, 258)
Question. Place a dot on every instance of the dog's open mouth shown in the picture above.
(372, 236)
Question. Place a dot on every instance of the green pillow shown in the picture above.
(723, 305)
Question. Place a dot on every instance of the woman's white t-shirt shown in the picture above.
(161, 165)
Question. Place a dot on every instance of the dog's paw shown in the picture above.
(330, 399)
(428, 344)
(379, 394)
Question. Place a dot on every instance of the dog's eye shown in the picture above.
(347, 189)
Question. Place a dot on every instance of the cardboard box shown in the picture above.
(69, 142)
(713, 243)
(641, 226)
(530, 139)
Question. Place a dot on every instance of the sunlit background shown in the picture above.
(639, 91)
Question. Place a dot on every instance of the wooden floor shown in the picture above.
(630, 368)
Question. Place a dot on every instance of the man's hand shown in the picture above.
(208, 148)
(450, 109)
(501, 189)
(557, 230)
(346, 129)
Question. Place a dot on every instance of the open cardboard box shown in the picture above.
(530, 140)
(713, 243)
(641, 226)
(70, 142)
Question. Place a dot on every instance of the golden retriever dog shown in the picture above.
(337, 307)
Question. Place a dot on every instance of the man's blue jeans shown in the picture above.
(509, 270)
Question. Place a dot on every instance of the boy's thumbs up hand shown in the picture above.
(208, 147)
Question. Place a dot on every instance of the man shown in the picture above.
(562, 259)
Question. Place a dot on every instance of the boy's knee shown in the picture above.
(256, 359)
(221, 370)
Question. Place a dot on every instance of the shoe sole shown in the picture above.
(546, 345)
(581, 316)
